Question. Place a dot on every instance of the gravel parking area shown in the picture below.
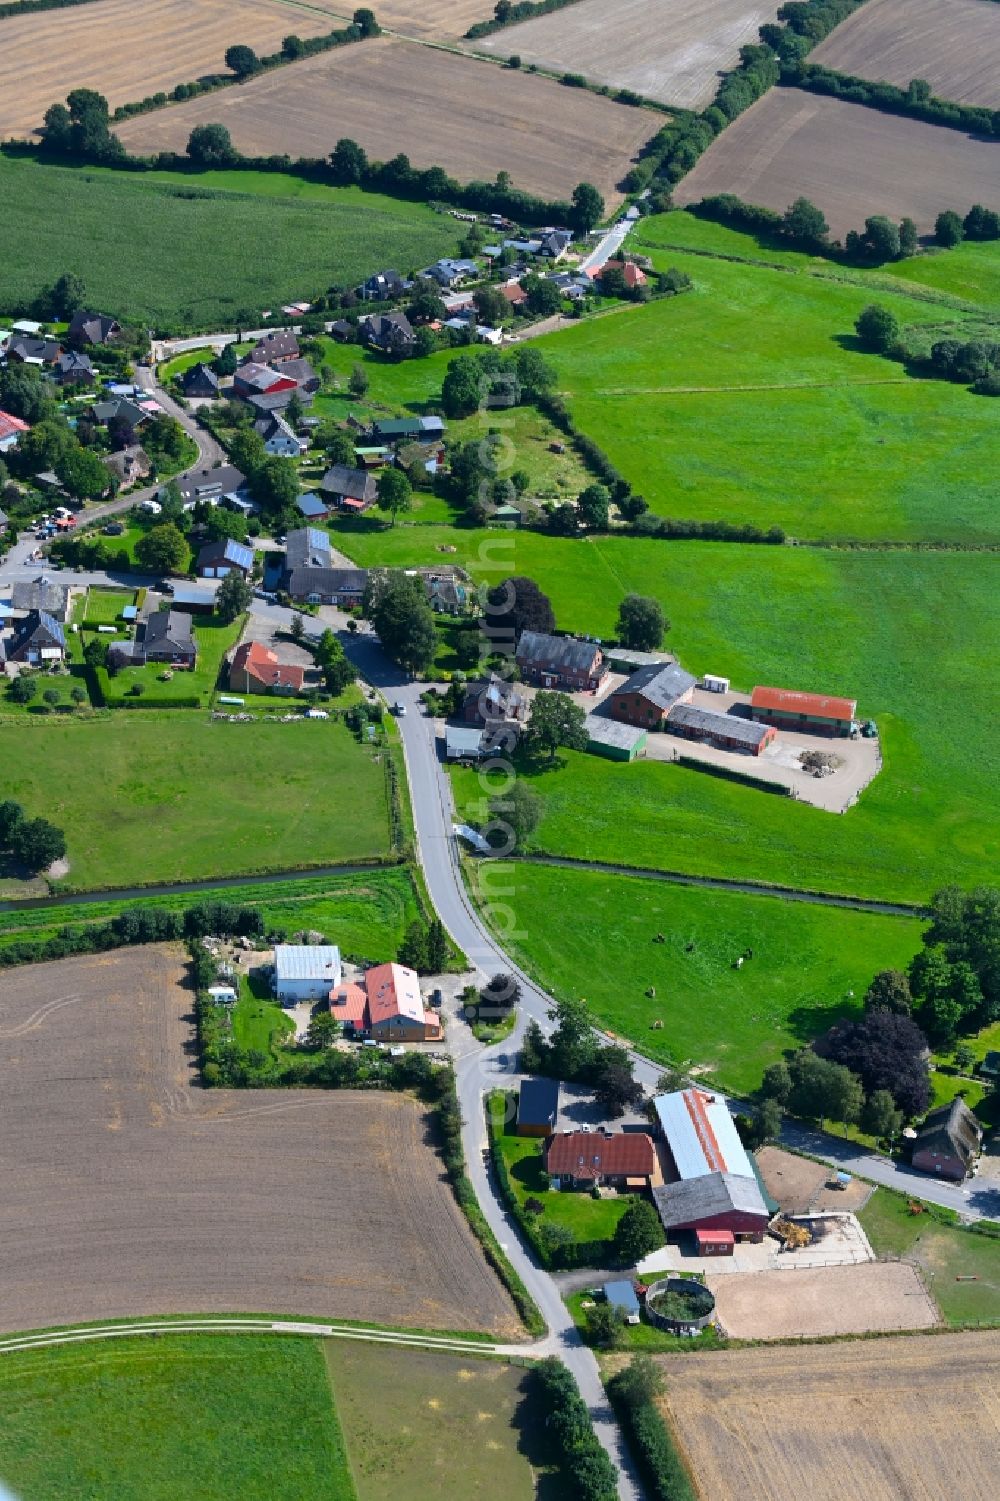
(875, 1296)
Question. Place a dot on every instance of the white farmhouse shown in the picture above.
(305, 972)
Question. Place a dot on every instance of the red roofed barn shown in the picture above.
(814, 713)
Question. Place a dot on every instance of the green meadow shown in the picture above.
(146, 797)
(154, 1419)
(193, 251)
(810, 966)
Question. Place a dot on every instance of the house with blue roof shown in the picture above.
(216, 559)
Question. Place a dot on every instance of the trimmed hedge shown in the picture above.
(662, 1470)
(584, 1467)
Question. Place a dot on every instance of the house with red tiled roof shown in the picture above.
(632, 275)
(11, 429)
(386, 1004)
(256, 669)
(588, 1159)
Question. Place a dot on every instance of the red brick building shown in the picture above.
(649, 694)
(560, 662)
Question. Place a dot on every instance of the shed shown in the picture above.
(464, 744)
(538, 1107)
(617, 741)
(621, 1294)
(715, 1242)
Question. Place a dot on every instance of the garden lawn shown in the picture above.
(138, 240)
(589, 1219)
(459, 1426)
(149, 1420)
(911, 635)
(366, 916)
(105, 606)
(807, 961)
(213, 638)
(943, 1251)
(749, 400)
(147, 797)
(258, 1022)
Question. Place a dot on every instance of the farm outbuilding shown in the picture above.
(621, 1294)
(723, 730)
(650, 693)
(814, 713)
(538, 1107)
(305, 972)
(619, 742)
(712, 1183)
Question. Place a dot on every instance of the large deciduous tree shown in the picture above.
(641, 623)
(398, 608)
(556, 722)
(518, 605)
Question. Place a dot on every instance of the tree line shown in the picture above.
(510, 12)
(874, 1068)
(244, 63)
(916, 101)
(135, 925)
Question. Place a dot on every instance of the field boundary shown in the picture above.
(724, 883)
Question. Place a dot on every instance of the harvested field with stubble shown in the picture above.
(673, 54)
(128, 1190)
(434, 19)
(817, 1302)
(127, 49)
(887, 1420)
(443, 109)
(851, 160)
(954, 44)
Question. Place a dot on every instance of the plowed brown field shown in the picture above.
(127, 49)
(888, 1420)
(851, 160)
(127, 1190)
(440, 108)
(673, 53)
(954, 44)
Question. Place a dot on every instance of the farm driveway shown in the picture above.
(129, 1191)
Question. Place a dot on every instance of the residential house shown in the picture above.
(312, 507)
(342, 330)
(647, 697)
(120, 414)
(555, 243)
(93, 329)
(382, 286)
(462, 743)
(37, 641)
(129, 465)
(200, 381)
(305, 972)
(74, 369)
(392, 333)
(711, 1180)
(32, 351)
(168, 638)
(449, 272)
(255, 669)
(948, 1142)
(350, 489)
(210, 485)
(43, 594)
(11, 429)
(810, 713)
(304, 376)
(275, 348)
(574, 287)
(252, 379)
(279, 439)
(515, 294)
(4, 523)
(309, 574)
(595, 1159)
(385, 1005)
(448, 596)
(725, 731)
(494, 702)
(537, 1107)
(560, 662)
(632, 275)
(217, 559)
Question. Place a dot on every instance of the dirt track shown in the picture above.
(954, 44)
(440, 108)
(671, 53)
(127, 49)
(851, 160)
(910, 1419)
(127, 1190)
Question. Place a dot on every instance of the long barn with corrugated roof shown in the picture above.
(712, 1186)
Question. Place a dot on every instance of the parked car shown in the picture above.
(399, 710)
(113, 529)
